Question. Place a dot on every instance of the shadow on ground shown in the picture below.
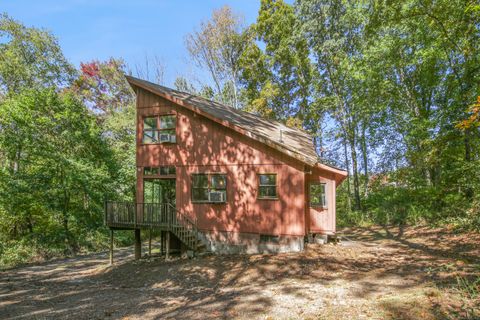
(369, 274)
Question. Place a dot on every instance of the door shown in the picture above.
(158, 196)
(321, 220)
(159, 191)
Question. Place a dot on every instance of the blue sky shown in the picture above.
(131, 29)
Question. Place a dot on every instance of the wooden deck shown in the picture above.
(159, 216)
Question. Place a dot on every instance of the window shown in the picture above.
(159, 129)
(267, 186)
(163, 171)
(148, 171)
(318, 195)
(159, 191)
(150, 133)
(210, 188)
(266, 238)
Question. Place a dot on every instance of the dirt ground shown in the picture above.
(371, 274)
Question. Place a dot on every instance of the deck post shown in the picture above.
(138, 245)
(167, 253)
(162, 244)
(111, 246)
(150, 242)
(195, 246)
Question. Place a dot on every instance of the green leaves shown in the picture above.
(56, 166)
(277, 80)
(217, 47)
(30, 58)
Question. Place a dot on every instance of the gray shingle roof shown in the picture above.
(294, 142)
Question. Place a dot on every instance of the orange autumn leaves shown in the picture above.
(474, 119)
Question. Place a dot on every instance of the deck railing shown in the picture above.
(152, 215)
(120, 214)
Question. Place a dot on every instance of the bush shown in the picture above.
(398, 205)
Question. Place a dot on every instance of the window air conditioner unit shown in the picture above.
(216, 196)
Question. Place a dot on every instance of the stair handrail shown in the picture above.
(188, 221)
(183, 215)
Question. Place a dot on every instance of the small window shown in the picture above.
(318, 195)
(159, 129)
(266, 238)
(167, 122)
(148, 171)
(211, 188)
(150, 132)
(267, 186)
(165, 171)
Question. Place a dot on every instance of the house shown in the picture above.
(212, 176)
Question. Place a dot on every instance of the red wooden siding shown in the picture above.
(204, 146)
(322, 220)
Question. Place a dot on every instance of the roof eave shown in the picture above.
(340, 174)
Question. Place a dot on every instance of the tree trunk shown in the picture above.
(356, 185)
(319, 140)
(349, 191)
(365, 160)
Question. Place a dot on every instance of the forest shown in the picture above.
(390, 91)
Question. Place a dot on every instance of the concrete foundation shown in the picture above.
(249, 243)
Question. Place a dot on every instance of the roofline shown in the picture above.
(135, 82)
(340, 174)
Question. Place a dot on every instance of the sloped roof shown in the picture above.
(293, 142)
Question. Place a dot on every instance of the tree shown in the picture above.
(427, 51)
(30, 58)
(335, 33)
(205, 91)
(474, 118)
(217, 47)
(57, 168)
(278, 80)
(103, 87)
(152, 69)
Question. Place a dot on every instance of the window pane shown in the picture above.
(267, 192)
(199, 194)
(167, 170)
(269, 238)
(147, 191)
(150, 123)
(318, 195)
(151, 191)
(150, 171)
(219, 181)
(268, 179)
(167, 122)
(200, 181)
(149, 136)
(167, 136)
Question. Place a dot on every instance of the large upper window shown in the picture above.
(159, 129)
(209, 187)
(267, 186)
(318, 195)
